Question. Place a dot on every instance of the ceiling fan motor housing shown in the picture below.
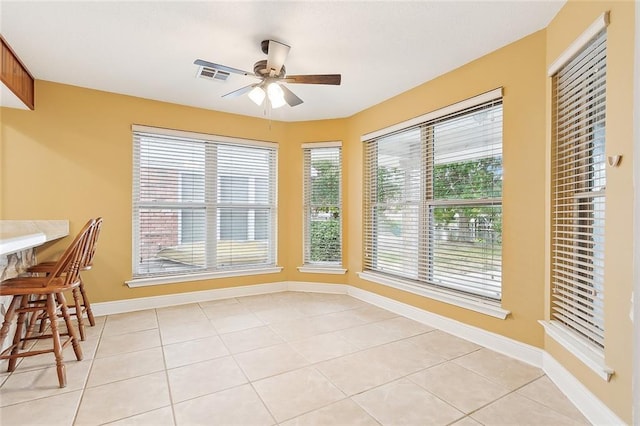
(260, 70)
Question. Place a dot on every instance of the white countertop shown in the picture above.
(17, 235)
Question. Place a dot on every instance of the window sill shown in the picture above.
(478, 305)
(587, 355)
(173, 279)
(322, 270)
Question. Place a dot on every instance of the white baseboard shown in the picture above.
(592, 408)
(317, 288)
(518, 350)
(153, 302)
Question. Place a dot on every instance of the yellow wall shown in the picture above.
(570, 22)
(297, 134)
(71, 158)
(519, 69)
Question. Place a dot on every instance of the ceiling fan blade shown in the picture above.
(291, 98)
(202, 63)
(334, 79)
(277, 55)
(240, 91)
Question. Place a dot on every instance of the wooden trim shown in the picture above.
(14, 75)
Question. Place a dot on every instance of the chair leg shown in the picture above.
(17, 337)
(8, 318)
(57, 346)
(79, 316)
(70, 330)
(33, 319)
(86, 304)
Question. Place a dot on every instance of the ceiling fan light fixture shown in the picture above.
(257, 95)
(276, 95)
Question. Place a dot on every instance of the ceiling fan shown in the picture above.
(272, 74)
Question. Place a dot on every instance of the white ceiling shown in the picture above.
(147, 49)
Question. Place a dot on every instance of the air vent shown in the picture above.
(212, 74)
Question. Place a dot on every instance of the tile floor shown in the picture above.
(286, 358)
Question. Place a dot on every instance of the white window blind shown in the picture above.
(579, 181)
(200, 204)
(433, 202)
(322, 204)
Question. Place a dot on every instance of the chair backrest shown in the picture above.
(91, 246)
(67, 268)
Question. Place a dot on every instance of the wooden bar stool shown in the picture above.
(81, 300)
(32, 295)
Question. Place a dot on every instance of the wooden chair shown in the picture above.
(81, 300)
(35, 294)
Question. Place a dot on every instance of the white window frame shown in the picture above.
(465, 300)
(310, 266)
(211, 205)
(592, 355)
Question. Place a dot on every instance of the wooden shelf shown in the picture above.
(15, 75)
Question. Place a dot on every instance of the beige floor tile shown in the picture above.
(403, 357)
(203, 378)
(381, 332)
(337, 299)
(323, 347)
(466, 421)
(130, 322)
(279, 314)
(160, 417)
(371, 313)
(444, 344)
(181, 314)
(90, 332)
(122, 399)
(395, 369)
(231, 323)
(129, 342)
(312, 307)
(462, 388)
(290, 394)
(90, 347)
(345, 412)
(21, 387)
(270, 361)
(184, 353)
(221, 311)
(516, 409)
(547, 393)
(125, 366)
(368, 335)
(292, 297)
(342, 319)
(357, 372)
(499, 368)
(297, 329)
(259, 301)
(236, 406)
(250, 339)
(218, 302)
(404, 327)
(176, 332)
(51, 411)
(325, 303)
(405, 403)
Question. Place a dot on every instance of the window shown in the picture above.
(202, 203)
(578, 188)
(433, 200)
(322, 204)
